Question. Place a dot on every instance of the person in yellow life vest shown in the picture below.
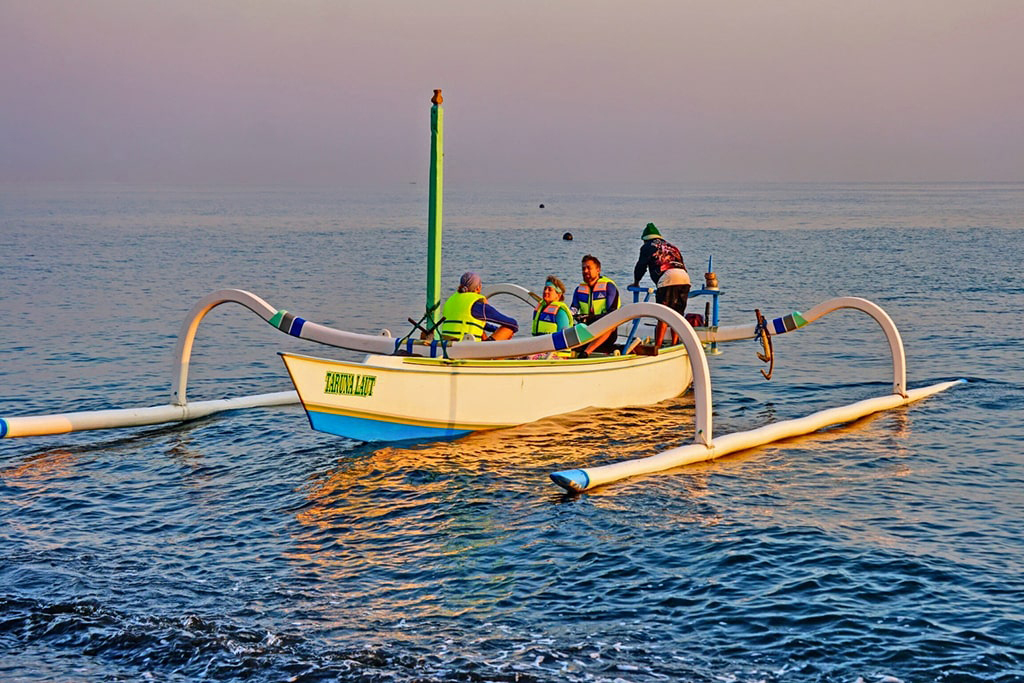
(467, 315)
(594, 298)
(551, 314)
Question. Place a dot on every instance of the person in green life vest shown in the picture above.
(551, 314)
(594, 298)
(467, 315)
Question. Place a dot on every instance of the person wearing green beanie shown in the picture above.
(650, 232)
(664, 262)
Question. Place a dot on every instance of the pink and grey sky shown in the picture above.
(586, 91)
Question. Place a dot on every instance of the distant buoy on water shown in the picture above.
(542, 206)
(567, 237)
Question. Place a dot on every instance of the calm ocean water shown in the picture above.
(248, 547)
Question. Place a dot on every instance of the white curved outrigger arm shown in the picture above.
(795, 321)
(513, 290)
(281, 319)
(187, 333)
(892, 334)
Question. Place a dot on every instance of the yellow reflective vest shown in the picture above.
(545, 317)
(459, 322)
(593, 301)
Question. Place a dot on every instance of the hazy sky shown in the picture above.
(329, 92)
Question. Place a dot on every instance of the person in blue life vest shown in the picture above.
(594, 298)
(664, 262)
(467, 315)
(551, 314)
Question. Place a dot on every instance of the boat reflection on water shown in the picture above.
(518, 459)
(404, 506)
(401, 504)
(422, 531)
(512, 459)
(40, 469)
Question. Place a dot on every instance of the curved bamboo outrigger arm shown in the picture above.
(522, 293)
(296, 327)
(702, 449)
(795, 321)
(187, 333)
(279, 318)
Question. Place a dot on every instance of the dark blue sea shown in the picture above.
(246, 547)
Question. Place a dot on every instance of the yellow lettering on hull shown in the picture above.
(348, 384)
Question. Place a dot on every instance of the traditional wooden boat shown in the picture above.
(386, 398)
(413, 389)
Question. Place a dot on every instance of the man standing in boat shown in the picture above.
(467, 315)
(664, 262)
(594, 298)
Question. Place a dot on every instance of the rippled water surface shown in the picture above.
(247, 547)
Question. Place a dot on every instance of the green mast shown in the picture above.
(434, 215)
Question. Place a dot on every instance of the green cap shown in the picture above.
(650, 232)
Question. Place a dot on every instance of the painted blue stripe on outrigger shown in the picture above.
(296, 327)
(558, 339)
(570, 337)
(3, 428)
(363, 429)
(788, 323)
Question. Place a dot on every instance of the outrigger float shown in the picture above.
(423, 387)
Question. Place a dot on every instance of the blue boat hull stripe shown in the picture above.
(363, 429)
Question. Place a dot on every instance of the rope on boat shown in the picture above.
(765, 337)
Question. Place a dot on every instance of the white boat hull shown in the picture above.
(389, 398)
